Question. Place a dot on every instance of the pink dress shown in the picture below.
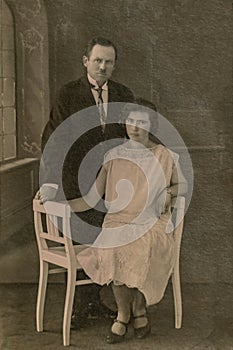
(136, 245)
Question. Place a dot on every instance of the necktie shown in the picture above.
(101, 108)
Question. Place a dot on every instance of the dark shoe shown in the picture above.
(142, 332)
(78, 320)
(74, 321)
(114, 338)
(100, 311)
(93, 311)
(112, 314)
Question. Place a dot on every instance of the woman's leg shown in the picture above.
(124, 298)
(139, 309)
(141, 323)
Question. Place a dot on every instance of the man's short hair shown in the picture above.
(99, 41)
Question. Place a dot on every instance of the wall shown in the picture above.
(18, 181)
(179, 55)
(32, 89)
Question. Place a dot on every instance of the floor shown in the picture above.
(207, 321)
(207, 311)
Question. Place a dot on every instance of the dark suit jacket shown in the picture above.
(74, 99)
(76, 96)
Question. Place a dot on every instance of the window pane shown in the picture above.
(1, 122)
(7, 84)
(9, 147)
(1, 148)
(8, 64)
(6, 14)
(8, 92)
(1, 95)
(9, 125)
(7, 38)
(1, 63)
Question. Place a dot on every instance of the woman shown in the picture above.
(134, 251)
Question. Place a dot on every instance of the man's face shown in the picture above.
(101, 63)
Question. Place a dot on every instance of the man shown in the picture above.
(99, 60)
(97, 90)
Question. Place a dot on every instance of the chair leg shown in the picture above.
(41, 295)
(177, 298)
(70, 289)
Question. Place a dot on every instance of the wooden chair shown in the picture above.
(178, 210)
(64, 255)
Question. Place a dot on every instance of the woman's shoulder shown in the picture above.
(157, 147)
(113, 153)
(166, 152)
(171, 154)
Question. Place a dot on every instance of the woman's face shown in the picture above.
(138, 126)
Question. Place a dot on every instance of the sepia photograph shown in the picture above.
(116, 174)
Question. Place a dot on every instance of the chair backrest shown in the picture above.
(52, 223)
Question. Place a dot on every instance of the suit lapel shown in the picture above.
(86, 94)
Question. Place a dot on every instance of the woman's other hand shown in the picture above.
(164, 201)
(167, 200)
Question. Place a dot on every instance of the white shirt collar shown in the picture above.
(96, 86)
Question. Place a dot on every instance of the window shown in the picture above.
(7, 85)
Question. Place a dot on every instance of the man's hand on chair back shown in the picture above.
(47, 192)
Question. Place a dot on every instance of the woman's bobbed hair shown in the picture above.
(142, 105)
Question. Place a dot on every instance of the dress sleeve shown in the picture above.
(177, 177)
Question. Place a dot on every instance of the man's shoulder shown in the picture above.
(83, 81)
(72, 90)
(75, 84)
(115, 84)
(120, 92)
